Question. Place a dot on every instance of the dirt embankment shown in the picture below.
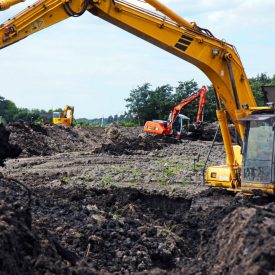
(7, 150)
(92, 231)
(46, 140)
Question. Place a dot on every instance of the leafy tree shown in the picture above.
(138, 102)
(256, 84)
(210, 108)
(7, 109)
(110, 119)
(160, 102)
(183, 91)
(147, 104)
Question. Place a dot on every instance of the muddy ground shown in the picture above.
(94, 201)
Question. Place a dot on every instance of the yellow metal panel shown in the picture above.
(218, 176)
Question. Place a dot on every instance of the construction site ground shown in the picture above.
(85, 200)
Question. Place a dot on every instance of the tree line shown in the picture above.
(144, 103)
(9, 112)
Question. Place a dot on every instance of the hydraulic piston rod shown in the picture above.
(169, 13)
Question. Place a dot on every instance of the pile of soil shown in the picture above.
(22, 250)
(115, 140)
(45, 140)
(7, 150)
(244, 242)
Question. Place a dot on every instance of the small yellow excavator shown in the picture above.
(62, 118)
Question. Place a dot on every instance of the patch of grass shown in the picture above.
(107, 180)
(163, 181)
(167, 228)
(198, 166)
(65, 180)
(117, 169)
(185, 158)
(83, 178)
(136, 173)
(168, 172)
(184, 183)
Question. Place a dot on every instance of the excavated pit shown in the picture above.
(97, 204)
(122, 231)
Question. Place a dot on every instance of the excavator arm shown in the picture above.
(185, 102)
(202, 103)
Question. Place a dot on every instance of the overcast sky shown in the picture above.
(93, 65)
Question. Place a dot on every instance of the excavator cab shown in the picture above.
(180, 126)
(258, 149)
(255, 160)
(56, 115)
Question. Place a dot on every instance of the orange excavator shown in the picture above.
(178, 125)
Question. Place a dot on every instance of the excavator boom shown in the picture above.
(216, 58)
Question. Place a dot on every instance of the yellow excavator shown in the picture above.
(249, 168)
(63, 118)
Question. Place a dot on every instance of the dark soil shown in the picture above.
(126, 231)
(52, 139)
(7, 150)
(79, 213)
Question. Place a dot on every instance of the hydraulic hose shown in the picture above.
(72, 13)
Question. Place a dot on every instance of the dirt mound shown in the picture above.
(244, 243)
(35, 140)
(44, 140)
(18, 244)
(132, 145)
(7, 150)
(22, 251)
